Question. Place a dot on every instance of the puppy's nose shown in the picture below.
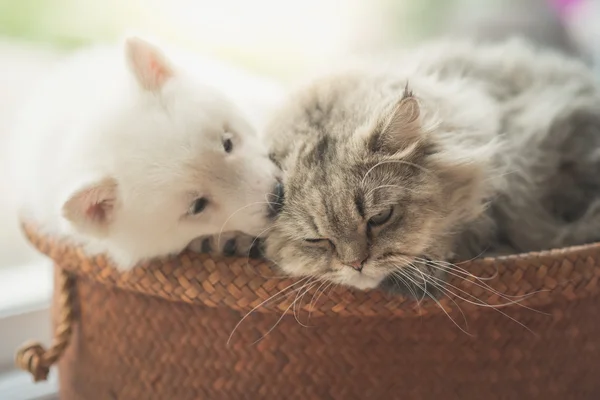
(276, 200)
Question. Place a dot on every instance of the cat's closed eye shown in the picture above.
(322, 242)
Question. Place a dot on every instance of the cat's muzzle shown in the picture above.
(414, 287)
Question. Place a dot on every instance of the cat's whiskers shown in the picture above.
(481, 303)
(254, 241)
(332, 285)
(285, 312)
(469, 260)
(272, 202)
(313, 302)
(402, 273)
(481, 253)
(427, 279)
(399, 279)
(315, 282)
(442, 286)
(231, 216)
(273, 297)
(403, 188)
(511, 299)
(461, 275)
(425, 291)
(409, 265)
(362, 182)
(397, 276)
(455, 267)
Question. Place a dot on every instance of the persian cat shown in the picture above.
(459, 149)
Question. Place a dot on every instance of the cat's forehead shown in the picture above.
(325, 170)
(321, 192)
(324, 212)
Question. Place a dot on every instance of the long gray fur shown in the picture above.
(489, 149)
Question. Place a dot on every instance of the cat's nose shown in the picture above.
(357, 264)
(275, 200)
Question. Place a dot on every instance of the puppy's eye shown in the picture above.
(227, 144)
(198, 206)
(382, 217)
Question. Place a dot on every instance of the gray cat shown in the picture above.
(459, 150)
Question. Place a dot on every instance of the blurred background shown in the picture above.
(279, 39)
(282, 40)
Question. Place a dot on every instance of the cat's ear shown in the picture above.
(399, 129)
(149, 65)
(91, 208)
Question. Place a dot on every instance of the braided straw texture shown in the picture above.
(161, 332)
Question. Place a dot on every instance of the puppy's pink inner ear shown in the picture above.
(149, 65)
(158, 71)
(92, 208)
(99, 212)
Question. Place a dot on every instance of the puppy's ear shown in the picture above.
(91, 208)
(148, 63)
(399, 129)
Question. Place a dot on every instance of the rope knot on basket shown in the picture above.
(32, 356)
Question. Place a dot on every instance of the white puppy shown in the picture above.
(134, 156)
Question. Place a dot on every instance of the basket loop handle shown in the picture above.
(32, 356)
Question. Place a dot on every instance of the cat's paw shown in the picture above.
(230, 244)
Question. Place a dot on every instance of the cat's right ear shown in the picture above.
(399, 129)
(149, 65)
(91, 208)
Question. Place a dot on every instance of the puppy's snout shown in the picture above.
(275, 200)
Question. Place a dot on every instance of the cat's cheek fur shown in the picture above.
(291, 261)
(361, 281)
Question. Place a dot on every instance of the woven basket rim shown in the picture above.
(244, 285)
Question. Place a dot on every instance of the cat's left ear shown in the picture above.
(149, 65)
(399, 129)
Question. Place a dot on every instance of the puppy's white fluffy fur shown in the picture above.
(116, 146)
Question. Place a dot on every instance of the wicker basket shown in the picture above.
(161, 332)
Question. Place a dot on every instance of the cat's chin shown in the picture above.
(397, 287)
(359, 281)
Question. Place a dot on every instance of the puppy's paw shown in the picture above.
(231, 244)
